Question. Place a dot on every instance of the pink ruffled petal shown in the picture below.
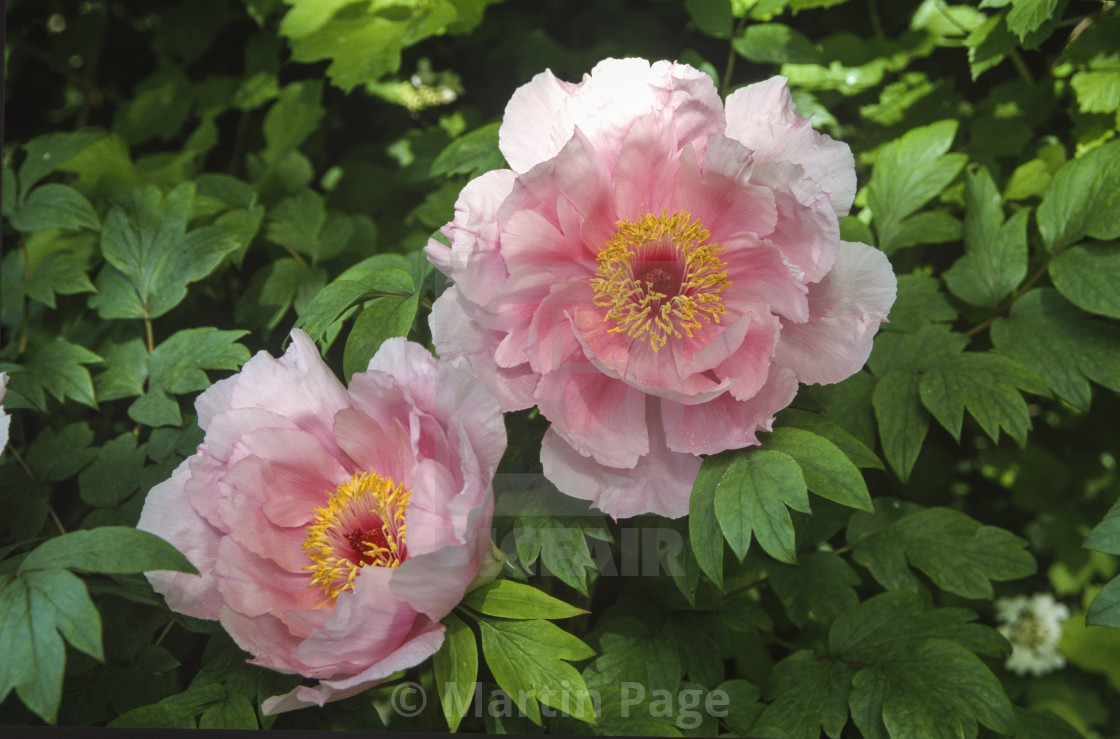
(385, 450)
(807, 231)
(845, 310)
(765, 119)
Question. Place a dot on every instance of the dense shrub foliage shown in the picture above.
(926, 549)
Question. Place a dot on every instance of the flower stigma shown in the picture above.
(361, 524)
(658, 277)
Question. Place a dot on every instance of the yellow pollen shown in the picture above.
(658, 277)
(361, 524)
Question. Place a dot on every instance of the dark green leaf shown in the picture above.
(1105, 537)
(1105, 608)
(509, 599)
(713, 17)
(775, 43)
(294, 116)
(808, 695)
(827, 470)
(1087, 275)
(824, 425)
(456, 670)
(339, 295)
(703, 528)
(55, 206)
(109, 549)
(177, 364)
(155, 408)
(1083, 199)
(920, 301)
(471, 154)
(381, 319)
(235, 712)
(995, 259)
(903, 422)
(303, 223)
(58, 367)
(60, 272)
(752, 499)
(47, 153)
(114, 474)
(59, 456)
(819, 587)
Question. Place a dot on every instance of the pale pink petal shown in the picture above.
(749, 364)
(764, 118)
(845, 310)
(720, 197)
(660, 483)
(435, 582)
(807, 231)
(646, 171)
(254, 586)
(385, 450)
(169, 515)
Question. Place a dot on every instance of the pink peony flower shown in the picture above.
(656, 273)
(333, 527)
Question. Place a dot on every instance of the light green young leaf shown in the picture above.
(775, 43)
(956, 552)
(1083, 199)
(529, 660)
(1098, 91)
(177, 364)
(509, 599)
(1026, 16)
(55, 206)
(909, 172)
(1088, 275)
(1066, 347)
(995, 259)
(752, 499)
(110, 549)
(826, 469)
(456, 670)
(34, 610)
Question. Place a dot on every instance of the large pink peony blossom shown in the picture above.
(333, 527)
(656, 273)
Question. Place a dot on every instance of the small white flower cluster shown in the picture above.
(1033, 626)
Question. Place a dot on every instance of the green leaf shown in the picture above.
(823, 425)
(988, 45)
(34, 610)
(909, 172)
(294, 117)
(60, 272)
(935, 690)
(752, 498)
(743, 707)
(1098, 91)
(1083, 199)
(55, 206)
(47, 153)
(1105, 608)
(109, 549)
(176, 711)
(986, 384)
(235, 712)
(827, 470)
(1064, 346)
(920, 302)
(712, 17)
(339, 295)
(58, 456)
(956, 552)
(1026, 16)
(303, 223)
(58, 367)
(471, 154)
(509, 599)
(775, 43)
(456, 670)
(381, 319)
(126, 369)
(995, 259)
(529, 660)
(1042, 724)
(819, 587)
(703, 529)
(1087, 275)
(633, 653)
(144, 238)
(154, 409)
(927, 227)
(177, 364)
(114, 474)
(808, 695)
(1105, 537)
(903, 421)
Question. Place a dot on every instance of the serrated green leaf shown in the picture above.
(1087, 275)
(956, 552)
(233, 713)
(703, 529)
(824, 425)
(920, 302)
(819, 587)
(826, 469)
(58, 456)
(381, 319)
(1026, 16)
(58, 367)
(177, 364)
(55, 206)
(339, 295)
(752, 499)
(1098, 91)
(46, 153)
(903, 421)
(909, 172)
(927, 227)
(936, 690)
(1083, 199)
(471, 154)
(995, 259)
(1063, 345)
(303, 223)
(915, 351)
(632, 653)
(61, 272)
(114, 474)
(529, 660)
(456, 670)
(155, 408)
(808, 695)
(109, 549)
(34, 609)
(509, 599)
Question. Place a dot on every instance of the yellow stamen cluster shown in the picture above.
(362, 524)
(639, 301)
